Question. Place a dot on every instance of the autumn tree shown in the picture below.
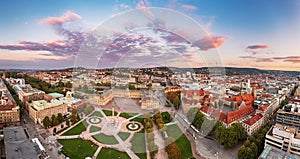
(172, 149)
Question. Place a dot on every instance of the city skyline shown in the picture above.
(258, 34)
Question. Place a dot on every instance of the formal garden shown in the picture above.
(110, 134)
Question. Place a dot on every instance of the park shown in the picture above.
(110, 132)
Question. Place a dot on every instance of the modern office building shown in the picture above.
(271, 152)
(285, 138)
(289, 115)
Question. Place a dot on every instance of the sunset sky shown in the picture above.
(49, 34)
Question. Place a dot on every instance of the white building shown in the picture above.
(284, 138)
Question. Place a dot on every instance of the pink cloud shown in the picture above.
(189, 7)
(66, 17)
(210, 42)
(258, 46)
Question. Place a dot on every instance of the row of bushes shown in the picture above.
(152, 147)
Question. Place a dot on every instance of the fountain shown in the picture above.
(95, 120)
(133, 126)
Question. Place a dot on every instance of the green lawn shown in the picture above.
(79, 128)
(139, 145)
(181, 141)
(112, 154)
(127, 115)
(139, 119)
(94, 129)
(78, 148)
(109, 112)
(124, 135)
(96, 113)
(84, 122)
(109, 140)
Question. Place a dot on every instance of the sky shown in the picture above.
(50, 34)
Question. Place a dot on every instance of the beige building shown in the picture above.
(148, 98)
(108, 95)
(9, 110)
(253, 124)
(149, 101)
(39, 109)
(27, 94)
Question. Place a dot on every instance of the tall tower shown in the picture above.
(113, 108)
(254, 92)
(248, 84)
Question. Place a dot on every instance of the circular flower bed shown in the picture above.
(133, 126)
(95, 120)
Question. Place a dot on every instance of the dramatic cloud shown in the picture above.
(68, 46)
(258, 46)
(210, 42)
(66, 17)
(189, 7)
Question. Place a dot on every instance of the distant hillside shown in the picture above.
(233, 70)
(228, 70)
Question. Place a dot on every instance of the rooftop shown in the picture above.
(56, 95)
(271, 152)
(17, 145)
(253, 119)
(43, 104)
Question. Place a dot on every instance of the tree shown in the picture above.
(198, 120)
(232, 138)
(221, 134)
(242, 152)
(254, 149)
(74, 116)
(46, 122)
(60, 84)
(68, 84)
(60, 118)
(176, 102)
(54, 120)
(239, 131)
(191, 114)
(166, 117)
(68, 122)
(217, 124)
(131, 87)
(172, 149)
(247, 143)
